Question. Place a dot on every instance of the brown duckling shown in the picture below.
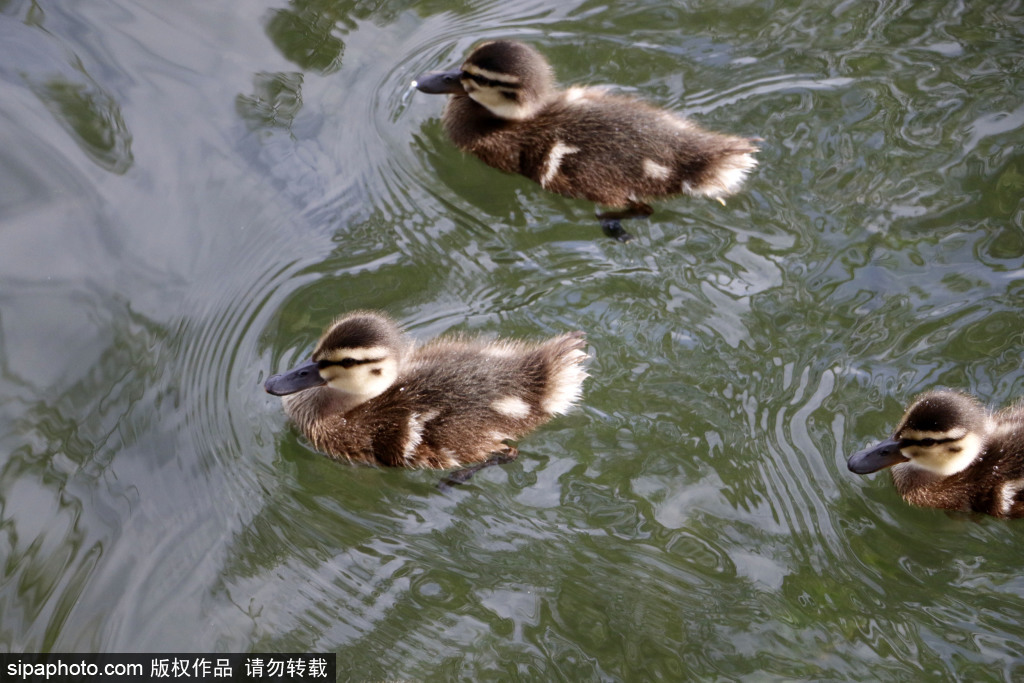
(369, 395)
(582, 142)
(949, 452)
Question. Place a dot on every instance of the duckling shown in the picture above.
(949, 452)
(369, 395)
(582, 142)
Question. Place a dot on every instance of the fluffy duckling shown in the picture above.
(369, 395)
(949, 452)
(583, 143)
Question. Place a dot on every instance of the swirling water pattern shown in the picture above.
(190, 191)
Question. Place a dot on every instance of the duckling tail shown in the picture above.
(728, 170)
(565, 380)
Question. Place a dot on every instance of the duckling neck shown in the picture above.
(466, 119)
(311, 406)
(475, 129)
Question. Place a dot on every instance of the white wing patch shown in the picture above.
(511, 406)
(414, 438)
(655, 170)
(574, 95)
(677, 121)
(554, 161)
(451, 457)
(1007, 493)
(581, 95)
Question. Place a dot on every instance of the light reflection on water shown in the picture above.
(190, 193)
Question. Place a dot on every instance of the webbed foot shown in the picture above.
(460, 477)
(613, 228)
(611, 221)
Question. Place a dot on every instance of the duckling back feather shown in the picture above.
(610, 150)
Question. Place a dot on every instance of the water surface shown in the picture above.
(190, 191)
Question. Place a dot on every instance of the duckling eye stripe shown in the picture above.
(938, 437)
(487, 77)
(492, 82)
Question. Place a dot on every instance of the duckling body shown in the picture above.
(949, 452)
(582, 142)
(370, 396)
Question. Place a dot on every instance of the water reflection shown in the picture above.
(305, 35)
(275, 101)
(85, 109)
(92, 117)
(189, 192)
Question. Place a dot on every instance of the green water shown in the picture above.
(190, 191)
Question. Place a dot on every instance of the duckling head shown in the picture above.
(510, 79)
(942, 432)
(358, 356)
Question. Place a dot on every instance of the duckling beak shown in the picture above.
(441, 82)
(878, 457)
(302, 377)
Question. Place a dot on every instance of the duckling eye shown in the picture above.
(927, 442)
(347, 362)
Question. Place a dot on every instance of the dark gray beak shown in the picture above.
(441, 82)
(302, 377)
(878, 457)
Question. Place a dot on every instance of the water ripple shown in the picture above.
(693, 519)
